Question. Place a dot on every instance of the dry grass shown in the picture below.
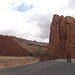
(6, 62)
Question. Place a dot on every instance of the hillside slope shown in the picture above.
(13, 46)
(10, 47)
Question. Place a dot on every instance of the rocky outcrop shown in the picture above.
(62, 37)
(10, 47)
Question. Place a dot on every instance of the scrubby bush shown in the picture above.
(37, 52)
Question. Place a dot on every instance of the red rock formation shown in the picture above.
(10, 47)
(62, 37)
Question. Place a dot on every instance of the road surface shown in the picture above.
(42, 68)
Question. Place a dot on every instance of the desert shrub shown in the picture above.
(43, 52)
(37, 52)
(6, 65)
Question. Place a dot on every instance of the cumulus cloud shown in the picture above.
(71, 4)
(43, 22)
(68, 9)
(8, 32)
(31, 19)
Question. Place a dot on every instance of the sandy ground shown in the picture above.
(6, 62)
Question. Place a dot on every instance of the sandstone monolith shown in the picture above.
(62, 36)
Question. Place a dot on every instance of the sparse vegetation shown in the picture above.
(6, 65)
(32, 43)
(6, 62)
(37, 52)
(43, 52)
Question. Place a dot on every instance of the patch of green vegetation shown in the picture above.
(6, 65)
(37, 52)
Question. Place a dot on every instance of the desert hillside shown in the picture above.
(13, 46)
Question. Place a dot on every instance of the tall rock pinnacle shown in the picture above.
(62, 36)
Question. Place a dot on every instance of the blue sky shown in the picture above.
(31, 19)
(23, 7)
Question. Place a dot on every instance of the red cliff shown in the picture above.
(62, 37)
(10, 47)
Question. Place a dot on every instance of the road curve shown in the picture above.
(42, 68)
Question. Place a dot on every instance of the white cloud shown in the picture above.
(17, 23)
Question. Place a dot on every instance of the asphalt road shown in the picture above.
(42, 68)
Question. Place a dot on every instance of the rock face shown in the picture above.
(62, 37)
(10, 47)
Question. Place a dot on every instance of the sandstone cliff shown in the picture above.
(10, 47)
(62, 36)
(14, 46)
